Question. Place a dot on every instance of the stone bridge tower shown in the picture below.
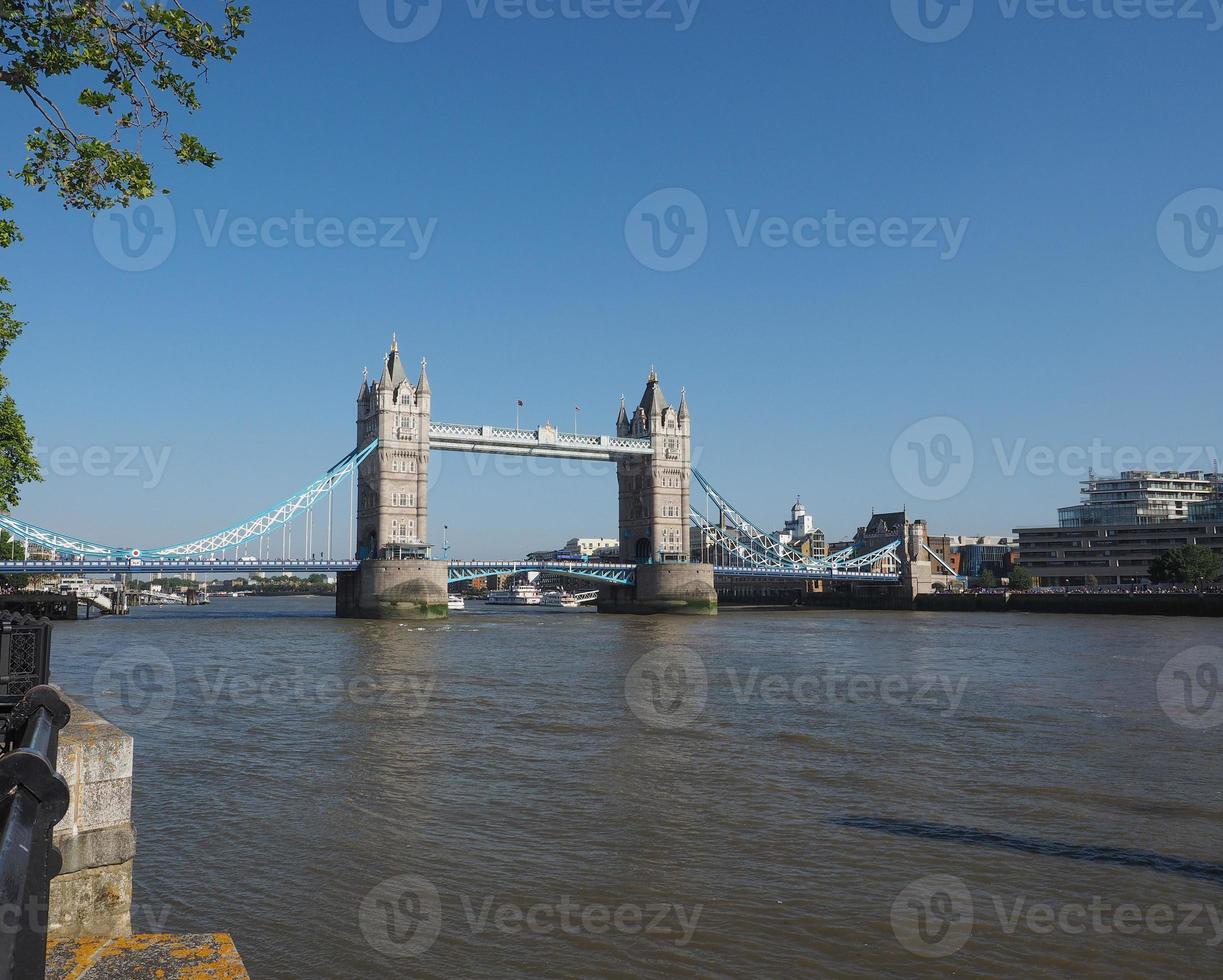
(393, 481)
(655, 490)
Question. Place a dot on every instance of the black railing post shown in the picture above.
(34, 798)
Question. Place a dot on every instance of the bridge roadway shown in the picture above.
(614, 573)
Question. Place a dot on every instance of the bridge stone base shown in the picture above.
(393, 590)
(676, 589)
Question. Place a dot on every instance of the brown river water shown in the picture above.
(563, 794)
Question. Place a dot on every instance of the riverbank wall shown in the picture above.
(1099, 603)
(89, 922)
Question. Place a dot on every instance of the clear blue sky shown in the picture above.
(1059, 321)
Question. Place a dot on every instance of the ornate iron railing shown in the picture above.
(33, 799)
(25, 656)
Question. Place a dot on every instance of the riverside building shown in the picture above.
(1122, 524)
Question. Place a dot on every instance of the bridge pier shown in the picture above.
(393, 589)
(677, 589)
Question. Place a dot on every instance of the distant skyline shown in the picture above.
(892, 268)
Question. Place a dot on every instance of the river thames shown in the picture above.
(759, 794)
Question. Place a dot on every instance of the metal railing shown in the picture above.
(25, 656)
(33, 799)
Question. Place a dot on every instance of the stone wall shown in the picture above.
(393, 590)
(92, 896)
(685, 589)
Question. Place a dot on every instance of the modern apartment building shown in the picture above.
(1140, 497)
(1122, 525)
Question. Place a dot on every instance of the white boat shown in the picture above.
(455, 602)
(563, 600)
(518, 595)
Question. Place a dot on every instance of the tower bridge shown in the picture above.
(388, 569)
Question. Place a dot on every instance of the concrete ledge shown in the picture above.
(149, 957)
(92, 902)
(95, 759)
(97, 848)
(92, 894)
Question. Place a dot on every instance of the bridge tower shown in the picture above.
(393, 481)
(655, 496)
(396, 580)
(655, 490)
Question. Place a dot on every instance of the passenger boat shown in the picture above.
(563, 600)
(519, 595)
(455, 602)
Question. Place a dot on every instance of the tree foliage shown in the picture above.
(1021, 579)
(137, 60)
(1190, 565)
(987, 580)
(11, 550)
